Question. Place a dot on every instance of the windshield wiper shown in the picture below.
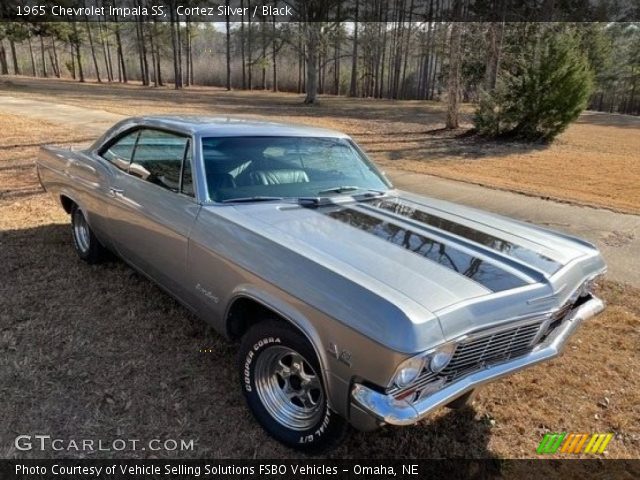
(350, 188)
(339, 189)
(251, 199)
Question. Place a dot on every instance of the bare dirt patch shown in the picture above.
(99, 352)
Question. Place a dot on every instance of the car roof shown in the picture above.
(231, 126)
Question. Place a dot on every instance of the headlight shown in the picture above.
(408, 371)
(441, 357)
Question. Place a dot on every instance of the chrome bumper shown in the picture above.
(387, 409)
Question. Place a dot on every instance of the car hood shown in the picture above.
(468, 268)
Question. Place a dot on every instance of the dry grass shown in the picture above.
(99, 352)
(595, 162)
(19, 143)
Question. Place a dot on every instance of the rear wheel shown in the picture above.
(282, 383)
(85, 242)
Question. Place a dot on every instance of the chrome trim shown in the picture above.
(541, 319)
(390, 410)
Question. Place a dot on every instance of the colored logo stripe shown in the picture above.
(573, 443)
(598, 443)
(551, 442)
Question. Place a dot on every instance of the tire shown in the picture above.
(282, 383)
(85, 242)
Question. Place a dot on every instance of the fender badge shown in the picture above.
(343, 356)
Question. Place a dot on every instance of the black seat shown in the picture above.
(278, 177)
(216, 181)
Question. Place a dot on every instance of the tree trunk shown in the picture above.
(176, 70)
(93, 50)
(494, 40)
(249, 53)
(406, 52)
(4, 68)
(154, 63)
(336, 66)
(353, 89)
(311, 62)
(106, 52)
(242, 40)
(122, 71)
(158, 65)
(274, 53)
(44, 60)
(33, 59)
(56, 63)
(453, 105)
(263, 35)
(179, 45)
(78, 54)
(300, 63)
(187, 42)
(384, 52)
(53, 64)
(73, 61)
(144, 63)
(632, 96)
(228, 46)
(14, 57)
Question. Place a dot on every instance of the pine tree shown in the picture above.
(546, 90)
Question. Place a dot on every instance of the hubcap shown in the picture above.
(289, 388)
(81, 231)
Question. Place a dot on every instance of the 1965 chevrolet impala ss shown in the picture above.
(354, 303)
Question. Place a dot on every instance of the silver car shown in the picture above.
(354, 303)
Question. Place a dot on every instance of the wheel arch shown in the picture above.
(248, 301)
(67, 202)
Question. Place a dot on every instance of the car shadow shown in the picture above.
(447, 433)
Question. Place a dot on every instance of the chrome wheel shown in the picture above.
(289, 388)
(81, 231)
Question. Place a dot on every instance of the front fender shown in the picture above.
(302, 323)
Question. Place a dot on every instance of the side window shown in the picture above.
(158, 158)
(120, 152)
(187, 178)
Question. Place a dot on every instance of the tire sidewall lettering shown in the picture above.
(248, 361)
(320, 430)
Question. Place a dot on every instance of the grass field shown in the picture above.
(99, 352)
(595, 162)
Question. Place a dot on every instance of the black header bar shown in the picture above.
(315, 469)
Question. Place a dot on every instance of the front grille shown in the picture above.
(496, 347)
(475, 353)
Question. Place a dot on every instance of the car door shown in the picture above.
(153, 207)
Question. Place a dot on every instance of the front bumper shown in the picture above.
(387, 409)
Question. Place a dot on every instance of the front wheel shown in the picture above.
(282, 383)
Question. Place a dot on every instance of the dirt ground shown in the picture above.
(595, 162)
(98, 352)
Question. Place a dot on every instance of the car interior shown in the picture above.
(279, 166)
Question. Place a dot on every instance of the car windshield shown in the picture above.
(265, 168)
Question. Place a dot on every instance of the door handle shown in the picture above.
(114, 192)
